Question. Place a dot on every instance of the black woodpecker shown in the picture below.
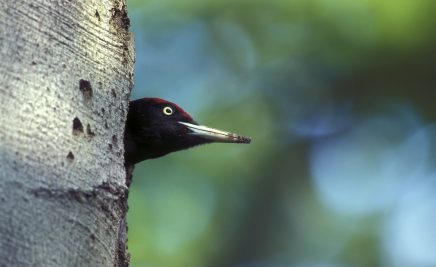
(156, 127)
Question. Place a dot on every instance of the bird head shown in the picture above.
(156, 127)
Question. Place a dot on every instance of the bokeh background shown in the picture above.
(340, 99)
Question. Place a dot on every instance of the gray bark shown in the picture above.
(66, 71)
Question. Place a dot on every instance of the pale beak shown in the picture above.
(216, 135)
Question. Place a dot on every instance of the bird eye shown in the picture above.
(167, 111)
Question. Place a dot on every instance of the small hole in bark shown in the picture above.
(114, 140)
(92, 236)
(114, 94)
(33, 63)
(97, 15)
(89, 131)
(77, 126)
(102, 110)
(85, 88)
(70, 156)
(110, 146)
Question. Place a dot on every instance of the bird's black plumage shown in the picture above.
(156, 127)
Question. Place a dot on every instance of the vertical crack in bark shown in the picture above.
(120, 24)
(122, 249)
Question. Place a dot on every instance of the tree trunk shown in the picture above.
(66, 71)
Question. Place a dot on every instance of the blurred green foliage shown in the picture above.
(337, 96)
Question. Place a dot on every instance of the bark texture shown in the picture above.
(66, 71)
